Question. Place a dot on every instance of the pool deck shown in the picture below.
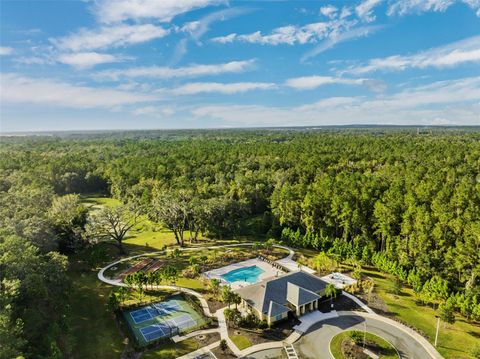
(268, 272)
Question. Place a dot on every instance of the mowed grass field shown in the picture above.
(93, 327)
(454, 341)
(145, 237)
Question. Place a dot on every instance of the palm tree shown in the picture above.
(214, 286)
(236, 299)
(331, 291)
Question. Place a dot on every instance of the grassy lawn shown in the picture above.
(385, 350)
(172, 350)
(454, 341)
(241, 341)
(93, 327)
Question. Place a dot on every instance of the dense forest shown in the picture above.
(402, 200)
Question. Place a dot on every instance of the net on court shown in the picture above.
(142, 315)
(182, 322)
(168, 327)
(166, 308)
(155, 331)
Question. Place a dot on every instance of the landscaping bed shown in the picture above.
(350, 345)
(279, 332)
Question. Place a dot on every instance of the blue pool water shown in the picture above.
(247, 274)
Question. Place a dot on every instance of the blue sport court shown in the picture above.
(162, 320)
(154, 310)
(168, 328)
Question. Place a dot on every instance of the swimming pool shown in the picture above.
(245, 274)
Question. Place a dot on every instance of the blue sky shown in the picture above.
(139, 64)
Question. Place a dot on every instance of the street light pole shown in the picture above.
(364, 333)
(438, 328)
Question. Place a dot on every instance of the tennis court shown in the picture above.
(154, 310)
(163, 319)
(168, 328)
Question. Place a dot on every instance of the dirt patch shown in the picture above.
(215, 305)
(374, 301)
(206, 339)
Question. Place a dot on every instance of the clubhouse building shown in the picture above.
(295, 293)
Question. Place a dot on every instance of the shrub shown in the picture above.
(357, 337)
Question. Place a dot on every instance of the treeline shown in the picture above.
(413, 198)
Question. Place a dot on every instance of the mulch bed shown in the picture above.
(227, 354)
(206, 339)
(279, 332)
(215, 305)
(352, 351)
(339, 303)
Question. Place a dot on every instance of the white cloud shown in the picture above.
(41, 91)
(109, 36)
(225, 39)
(5, 51)
(111, 11)
(312, 82)
(290, 34)
(224, 88)
(365, 10)
(328, 11)
(405, 7)
(154, 111)
(169, 72)
(452, 102)
(460, 52)
(85, 60)
(337, 38)
(198, 28)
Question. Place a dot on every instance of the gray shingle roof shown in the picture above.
(261, 294)
(276, 309)
(299, 296)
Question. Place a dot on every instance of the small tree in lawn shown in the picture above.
(158, 277)
(223, 345)
(446, 312)
(170, 274)
(269, 244)
(214, 286)
(331, 292)
(397, 285)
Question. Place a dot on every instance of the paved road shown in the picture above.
(315, 344)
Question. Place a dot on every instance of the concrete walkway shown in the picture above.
(203, 350)
(312, 318)
(223, 329)
(359, 302)
(178, 338)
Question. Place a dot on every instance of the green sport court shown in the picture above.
(162, 319)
